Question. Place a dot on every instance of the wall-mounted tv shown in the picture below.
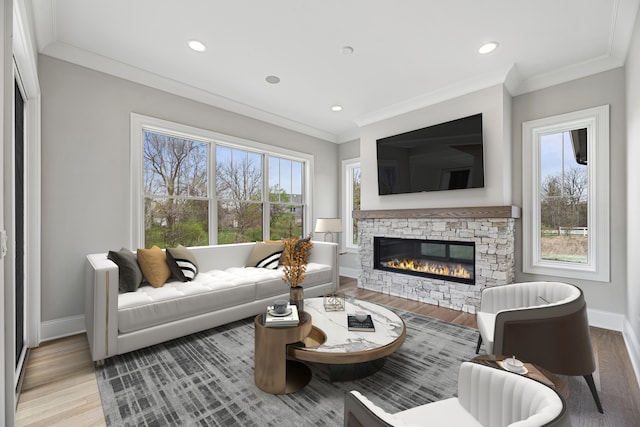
(446, 156)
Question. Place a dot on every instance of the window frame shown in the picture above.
(348, 166)
(140, 123)
(597, 268)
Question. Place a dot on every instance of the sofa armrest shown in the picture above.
(101, 306)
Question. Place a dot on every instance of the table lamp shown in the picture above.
(328, 226)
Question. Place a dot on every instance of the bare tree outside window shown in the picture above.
(239, 188)
(285, 198)
(175, 187)
(564, 200)
(184, 173)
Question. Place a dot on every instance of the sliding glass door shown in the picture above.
(19, 213)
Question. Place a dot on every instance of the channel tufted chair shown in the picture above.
(540, 322)
(487, 397)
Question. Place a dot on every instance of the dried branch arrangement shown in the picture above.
(296, 257)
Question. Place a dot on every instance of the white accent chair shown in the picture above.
(487, 397)
(540, 322)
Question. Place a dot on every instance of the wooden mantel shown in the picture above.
(464, 212)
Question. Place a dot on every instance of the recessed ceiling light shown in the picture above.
(488, 47)
(274, 80)
(336, 108)
(197, 45)
(346, 50)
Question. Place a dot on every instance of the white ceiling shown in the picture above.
(407, 54)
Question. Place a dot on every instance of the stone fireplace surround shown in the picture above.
(491, 228)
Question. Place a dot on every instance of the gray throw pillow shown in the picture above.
(129, 273)
(182, 263)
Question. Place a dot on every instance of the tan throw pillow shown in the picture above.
(153, 263)
(264, 255)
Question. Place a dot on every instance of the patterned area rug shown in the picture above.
(206, 379)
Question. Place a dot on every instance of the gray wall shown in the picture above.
(599, 89)
(85, 167)
(633, 179)
(497, 157)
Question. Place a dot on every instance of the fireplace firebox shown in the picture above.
(440, 259)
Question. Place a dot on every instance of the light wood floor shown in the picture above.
(60, 387)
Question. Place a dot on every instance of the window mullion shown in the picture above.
(266, 200)
(213, 195)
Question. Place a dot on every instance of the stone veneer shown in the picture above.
(495, 265)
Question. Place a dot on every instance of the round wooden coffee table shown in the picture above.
(349, 354)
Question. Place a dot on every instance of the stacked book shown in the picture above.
(282, 320)
(364, 325)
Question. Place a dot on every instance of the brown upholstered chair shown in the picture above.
(541, 322)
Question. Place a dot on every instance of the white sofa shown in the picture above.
(487, 397)
(223, 291)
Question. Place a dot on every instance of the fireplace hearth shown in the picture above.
(447, 260)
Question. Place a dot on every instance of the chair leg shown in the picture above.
(479, 343)
(594, 392)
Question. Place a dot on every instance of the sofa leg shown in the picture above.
(594, 392)
(99, 363)
(479, 342)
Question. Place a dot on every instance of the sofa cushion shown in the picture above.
(443, 413)
(129, 273)
(176, 300)
(269, 282)
(153, 263)
(182, 263)
(262, 251)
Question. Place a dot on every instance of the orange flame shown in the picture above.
(430, 267)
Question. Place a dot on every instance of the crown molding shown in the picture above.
(109, 66)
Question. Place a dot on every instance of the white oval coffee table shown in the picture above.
(349, 354)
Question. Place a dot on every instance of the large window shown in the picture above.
(351, 182)
(565, 195)
(196, 187)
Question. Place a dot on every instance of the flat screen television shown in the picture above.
(446, 156)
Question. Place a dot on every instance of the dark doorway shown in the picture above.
(19, 221)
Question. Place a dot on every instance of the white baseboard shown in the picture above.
(59, 328)
(606, 320)
(633, 348)
(353, 273)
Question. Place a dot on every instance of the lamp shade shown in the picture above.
(328, 225)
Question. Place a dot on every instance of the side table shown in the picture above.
(274, 373)
(536, 372)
